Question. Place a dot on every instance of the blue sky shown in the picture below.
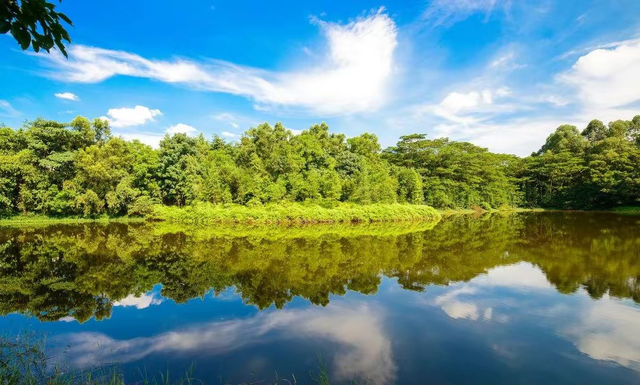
(502, 74)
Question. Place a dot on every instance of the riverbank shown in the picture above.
(38, 219)
(294, 213)
(447, 212)
(289, 213)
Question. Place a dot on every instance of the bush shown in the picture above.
(485, 206)
(142, 206)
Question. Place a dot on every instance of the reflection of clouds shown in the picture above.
(458, 303)
(605, 329)
(517, 276)
(455, 308)
(364, 349)
(141, 302)
(608, 330)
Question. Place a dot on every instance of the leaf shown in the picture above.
(65, 18)
(21, 35)
(5, 26)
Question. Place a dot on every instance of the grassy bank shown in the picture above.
(627, 210)
(295, 213)
(446, 212)
(35, 219)
(279, 231)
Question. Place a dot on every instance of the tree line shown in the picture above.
(80, 168)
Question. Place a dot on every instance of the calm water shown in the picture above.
(519, 299)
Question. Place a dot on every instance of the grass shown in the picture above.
(293, 231)
(36, 219)
(627, 210)
(294, 213)
(23, 362)
(447, 212)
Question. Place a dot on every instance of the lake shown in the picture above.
(524, 298)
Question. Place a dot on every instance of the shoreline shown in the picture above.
(288, 214)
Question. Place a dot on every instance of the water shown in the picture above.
(519, 299)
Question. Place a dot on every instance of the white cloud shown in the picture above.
(518, 136)
(227, 134)
(126, 117)
(506, 62)
(353, 78)
(67, 96)
(228, 118)
(607, 77)
(445, 12)
(181, 128)
(7, 110)
(460, 107)
(148, 138)
(141, 302)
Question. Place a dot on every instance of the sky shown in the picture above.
(502, 74)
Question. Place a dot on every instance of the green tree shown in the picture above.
(34, 23)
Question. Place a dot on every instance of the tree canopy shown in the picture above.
(79, 168)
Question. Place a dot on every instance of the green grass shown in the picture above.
(37, 219)
(627, 210)
(292, 231)
(447, 212)
(294, 213)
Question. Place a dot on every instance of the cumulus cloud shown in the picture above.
(181, 128)
(126, 117)
(607, 77)
(353, 78)
(67, 96)
(519, 136)
(466, 107)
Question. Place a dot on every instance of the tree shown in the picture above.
(34, 23)
(595, 131)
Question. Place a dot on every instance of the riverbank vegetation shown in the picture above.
(80, 169)
(295, 213)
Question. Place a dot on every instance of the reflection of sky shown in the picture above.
(361, 344)
(605, 329)
(507, 326)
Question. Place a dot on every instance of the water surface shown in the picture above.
(519, 299)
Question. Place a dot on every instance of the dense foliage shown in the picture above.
(596, 168)
(34, 23)
(79, 168)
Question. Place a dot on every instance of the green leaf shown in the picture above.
(65, 18)
(21, 35)
(5, 26)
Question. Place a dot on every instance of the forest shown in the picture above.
(80, 168)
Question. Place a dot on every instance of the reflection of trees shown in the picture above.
(59, 271)
(600, 252)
